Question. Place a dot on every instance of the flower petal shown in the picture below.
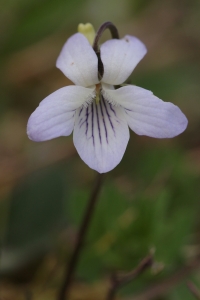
(101, 135)
(78, 61)
(55, 115)
(120, 57)
(148, 115)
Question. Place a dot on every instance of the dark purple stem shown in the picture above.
(114, 34)
(70, 268)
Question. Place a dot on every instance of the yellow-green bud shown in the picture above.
(88, 31)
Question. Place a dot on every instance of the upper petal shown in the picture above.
(120, 57)
(78, 61)
(101, 135)
(148, 115)
(55, 115)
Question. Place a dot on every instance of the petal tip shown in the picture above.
(31, 133)
(138, 44)
(183, 123)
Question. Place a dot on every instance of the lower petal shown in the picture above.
(101, 135)
(148, 115)
(54, 116)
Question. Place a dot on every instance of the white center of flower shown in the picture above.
(98, 93)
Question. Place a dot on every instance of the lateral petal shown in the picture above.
(78, 61)
(101, 135)
(148, 115)
(54, 116)
(120, 57)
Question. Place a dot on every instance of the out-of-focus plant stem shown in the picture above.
(193, 289)
(118, 280)
(70, 268)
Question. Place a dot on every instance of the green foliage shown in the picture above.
(156, 216)
(36, 214)
(168, 81)
(36, 19)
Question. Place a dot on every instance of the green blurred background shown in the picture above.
(150, 202)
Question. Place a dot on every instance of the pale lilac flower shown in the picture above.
(99, 114)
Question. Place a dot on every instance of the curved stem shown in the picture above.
(104, 26)
(69, 272)
(114, 34)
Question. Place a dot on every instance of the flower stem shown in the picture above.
(69, 272)
(114, 34)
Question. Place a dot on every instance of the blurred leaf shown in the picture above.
(35, 19)
(36, 214)
(139, 5)
(181, 292)
(167, 81)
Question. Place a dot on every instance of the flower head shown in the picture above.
(99, 113)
